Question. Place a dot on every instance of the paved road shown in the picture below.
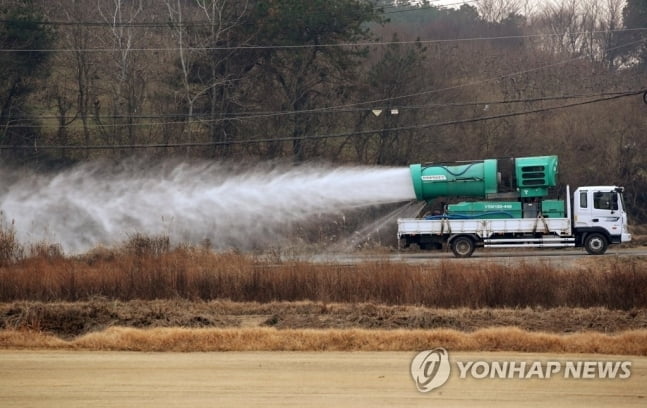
(286, 379)
(557, 257)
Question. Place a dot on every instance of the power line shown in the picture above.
(317, 137)
(426, 92)
(491, 79)
(400, 97)
(261, 114)
(329, 45)
(455, 87)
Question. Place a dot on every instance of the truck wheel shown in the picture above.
(596, 244)
(462, 247)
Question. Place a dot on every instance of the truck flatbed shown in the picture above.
(463, 235)
(484, 228)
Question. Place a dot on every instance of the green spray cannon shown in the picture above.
(530, 177)
(475, 179)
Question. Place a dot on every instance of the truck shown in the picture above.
(516, 208)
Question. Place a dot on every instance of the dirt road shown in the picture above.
(261, 379)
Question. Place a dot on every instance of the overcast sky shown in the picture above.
(532, 4)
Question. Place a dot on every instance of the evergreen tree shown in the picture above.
(635, 17)
(19, 70)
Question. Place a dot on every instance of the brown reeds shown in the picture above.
(268, 339)
(10, 249)
(155, 271)
(70, 319)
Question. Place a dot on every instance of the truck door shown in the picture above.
(605, 206)
(596, 208)
(606, 213)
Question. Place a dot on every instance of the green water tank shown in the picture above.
(474, 179)
(486, 209)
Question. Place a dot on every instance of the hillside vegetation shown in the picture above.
(347, 81)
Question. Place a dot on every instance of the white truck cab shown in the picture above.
(600, 217)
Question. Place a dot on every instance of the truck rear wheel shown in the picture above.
(463, 247)
(596, 244)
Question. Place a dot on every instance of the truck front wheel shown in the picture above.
(462, 247)
(596, 244)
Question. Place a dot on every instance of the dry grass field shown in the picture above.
(89, 329)
(632, 342)
(149, 269)
(146, 295)
(71, 319)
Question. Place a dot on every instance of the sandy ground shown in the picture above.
(260, 379)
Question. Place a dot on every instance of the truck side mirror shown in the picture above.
(614, 202)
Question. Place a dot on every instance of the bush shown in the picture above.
(11, 251)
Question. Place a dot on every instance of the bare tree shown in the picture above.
(611, 22)
(128, 79)
(223, 17)
(562, 23)
(185, 57)
(582, 28)
(528, 8)
(79, 38)
(498, 10)
(203, 58)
